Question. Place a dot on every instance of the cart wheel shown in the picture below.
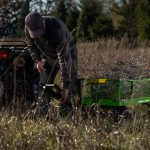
(123, 113)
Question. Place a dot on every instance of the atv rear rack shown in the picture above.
(8, 48)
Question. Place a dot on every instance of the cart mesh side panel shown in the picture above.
(141, 89)
(104, 90)
(126, 89)
(98, 91)
(135, 89)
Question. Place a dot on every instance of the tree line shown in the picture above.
(92, 19)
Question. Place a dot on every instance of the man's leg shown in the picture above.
(74, 73)
(35, 83)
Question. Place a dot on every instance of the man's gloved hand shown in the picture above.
(64, 93)
(40, 66)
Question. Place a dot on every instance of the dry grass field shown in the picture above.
(105, 58)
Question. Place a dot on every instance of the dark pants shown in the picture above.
(48, 77)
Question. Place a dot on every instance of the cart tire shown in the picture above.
(123, 113)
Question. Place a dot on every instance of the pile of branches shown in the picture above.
(105, 60)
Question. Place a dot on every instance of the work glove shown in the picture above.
(40, 66)
(64, 93)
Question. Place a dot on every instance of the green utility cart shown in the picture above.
(114, 92)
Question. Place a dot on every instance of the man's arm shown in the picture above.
(64, 57)
(33, 50)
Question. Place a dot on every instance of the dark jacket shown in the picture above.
(55, 44)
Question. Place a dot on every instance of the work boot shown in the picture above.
(66, 109)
